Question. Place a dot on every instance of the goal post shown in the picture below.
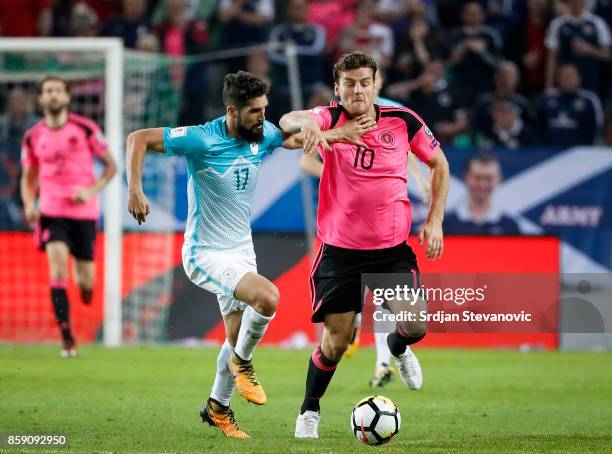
(112, 48)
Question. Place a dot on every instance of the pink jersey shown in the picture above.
(363, 200)
(64, 158)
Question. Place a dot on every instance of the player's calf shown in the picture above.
(336, 342)
(406, 333)
(59, 299)
(321, 369)
(84, 272)
(86, 295)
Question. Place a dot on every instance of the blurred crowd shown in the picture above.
(483, 74)
(487, 73)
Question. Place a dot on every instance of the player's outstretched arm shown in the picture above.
(138, 142)
(431, 231)
(310, 134)
(300, 121)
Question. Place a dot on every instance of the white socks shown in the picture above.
(383, 354)
(223, 388)
(252, 328)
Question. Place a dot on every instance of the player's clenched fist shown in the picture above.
(138, 206)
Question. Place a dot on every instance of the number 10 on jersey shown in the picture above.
(364, 157)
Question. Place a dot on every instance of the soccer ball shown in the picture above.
(375, 420)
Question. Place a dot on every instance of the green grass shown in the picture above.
(147, 400)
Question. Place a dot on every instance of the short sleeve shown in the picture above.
(273, 137)
(184, 140)
(97, 141)
(551, 41)
(28, 158)
(322, 116)
(603, 32)
(423, 143)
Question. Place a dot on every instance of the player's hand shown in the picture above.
(31, 213)
(82, 195)
(355, 128)
(138, 206)
(431, 232)
(312, 137)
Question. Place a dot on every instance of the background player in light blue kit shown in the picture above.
(223, 158)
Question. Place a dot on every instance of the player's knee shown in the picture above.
(266, 300)
(59, 273)
(338, 345)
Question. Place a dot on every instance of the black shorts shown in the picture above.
(336, 284)
(78, 234)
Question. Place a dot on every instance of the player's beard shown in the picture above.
(56, 110)
(251, 135)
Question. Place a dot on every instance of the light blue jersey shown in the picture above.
(222, 173)
(388, 102)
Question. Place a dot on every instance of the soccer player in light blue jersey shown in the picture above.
(223, 158)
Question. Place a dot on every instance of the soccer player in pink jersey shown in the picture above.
(363, 221)
(59, 188)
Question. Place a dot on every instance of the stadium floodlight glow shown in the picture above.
(112, 48)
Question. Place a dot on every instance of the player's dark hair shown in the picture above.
(484, 157)
(41, 84)
(354, 60)
(239, 87)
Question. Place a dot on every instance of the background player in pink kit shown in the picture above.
(364, 219)
(57, 159)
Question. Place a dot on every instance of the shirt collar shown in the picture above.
(493, 215)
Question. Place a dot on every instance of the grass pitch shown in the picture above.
(147, 400)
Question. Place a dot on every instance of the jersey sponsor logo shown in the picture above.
(178, 132)
(229, 273)
(387, 138)
(434, 143)
(254, 148)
